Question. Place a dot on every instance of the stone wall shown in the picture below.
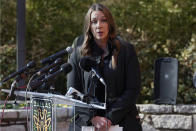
(16, 120)
(168, 117)
(154, 118)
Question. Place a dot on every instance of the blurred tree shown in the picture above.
(7, 40)
(157, 28)
(160, 28)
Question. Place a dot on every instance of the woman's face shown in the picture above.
(99, 26)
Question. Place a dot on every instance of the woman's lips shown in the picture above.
(100, 33)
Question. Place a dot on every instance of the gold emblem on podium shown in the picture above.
(42, 115)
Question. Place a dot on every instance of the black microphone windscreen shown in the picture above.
(87, 62)
(59, 54)
(66, 68)
(37, 82)
(57, 62)
(31, 64)
(54, 69)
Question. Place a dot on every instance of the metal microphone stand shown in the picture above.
(12, 87)
(14, 84)
(90, 97)
(105, 87)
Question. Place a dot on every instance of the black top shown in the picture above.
(123, 82)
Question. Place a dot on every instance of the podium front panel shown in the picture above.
(65, 117)
(47, 115)
(52, 112)
(42, 114)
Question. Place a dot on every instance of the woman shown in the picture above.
(118, 65)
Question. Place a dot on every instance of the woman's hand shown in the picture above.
(101, 123)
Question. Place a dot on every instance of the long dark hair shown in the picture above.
(88, 36)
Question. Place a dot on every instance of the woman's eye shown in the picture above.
(104, 20)
(94, 21)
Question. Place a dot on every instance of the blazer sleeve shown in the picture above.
(126, 102)
(74, 78)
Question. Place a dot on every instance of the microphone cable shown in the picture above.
(28, 88)
(8, 96)
(4, 108)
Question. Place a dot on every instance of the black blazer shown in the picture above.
(123, 82)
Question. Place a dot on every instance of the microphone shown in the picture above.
(29, 65)
(66, 68)
(88, 64)
(59, 54)
(54, 69)
(37, 82)
(48, 67)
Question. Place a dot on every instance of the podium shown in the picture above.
(45, 113)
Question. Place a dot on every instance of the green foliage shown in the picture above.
(52, 25)
(7, 40)
(7, 63)
(157, 28)
(160, 29)
(7, 22)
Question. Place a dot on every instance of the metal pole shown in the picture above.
(20, 36)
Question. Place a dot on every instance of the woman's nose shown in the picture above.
(99, 24)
